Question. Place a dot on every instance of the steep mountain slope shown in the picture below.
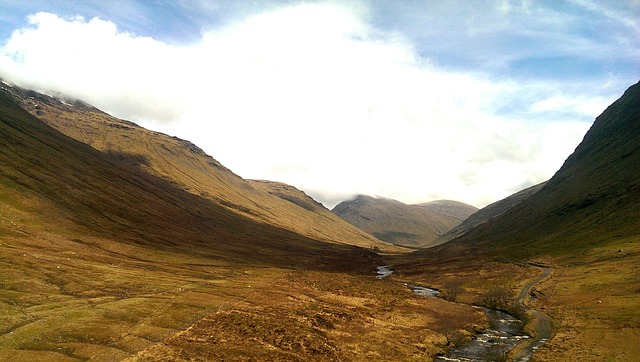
(324, 218)
(71, 183)
(592, 198)
(187, 167)
(408, 225)
(98, 261)
(291, 194)
(489, 212)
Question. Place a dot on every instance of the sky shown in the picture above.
(410, 100)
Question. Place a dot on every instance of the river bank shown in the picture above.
(505, 333)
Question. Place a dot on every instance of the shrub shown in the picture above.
(451, 290)
(500, 298)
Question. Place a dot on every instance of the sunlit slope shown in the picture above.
(415, 226)
(187, 167)
(591, 200)
(291, 194)
(70, 188)
(324, 217)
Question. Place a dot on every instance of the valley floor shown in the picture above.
(75, 299)
(78, 297)
(322, 316)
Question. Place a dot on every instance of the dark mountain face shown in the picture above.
(593, 197)
(489, 212)
(583, 227)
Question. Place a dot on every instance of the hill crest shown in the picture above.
(416, 226)
(591, 199)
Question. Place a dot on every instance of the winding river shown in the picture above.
(503, 335)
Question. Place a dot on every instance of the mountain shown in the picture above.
(592, 198)
(65, 182)
(188, 168)
(489, 212)
(100, 260)
(415, 226)
(291, 194)
(456, 209)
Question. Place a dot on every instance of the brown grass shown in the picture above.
(62, 299)
(593, 297)
(473, 277)
(595, 304)
(322, 316)
(102, 261)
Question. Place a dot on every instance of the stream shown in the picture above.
(488, 344)
(383, 271)
(503, 335)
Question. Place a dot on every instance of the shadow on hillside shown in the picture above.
(198, 225)
(111, 195)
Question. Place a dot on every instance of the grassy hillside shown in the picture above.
(489, 212)
(592, 199)
(323, 218)
(68, 181)
(416, 226)
(291, 194)
(186, 167)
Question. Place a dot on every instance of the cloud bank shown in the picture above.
(316, 96)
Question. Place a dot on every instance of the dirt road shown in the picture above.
(541, 321)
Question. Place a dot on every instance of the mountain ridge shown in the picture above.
(415, 226)
(582, 227)
(75, 185)
(455, 209)
(489, 212)
(186, 166)
(104, 261)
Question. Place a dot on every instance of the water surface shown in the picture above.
(503, 336)
(383, 271)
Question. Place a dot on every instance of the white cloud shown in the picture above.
(585, 105)
(314, 96)
(93, 61)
